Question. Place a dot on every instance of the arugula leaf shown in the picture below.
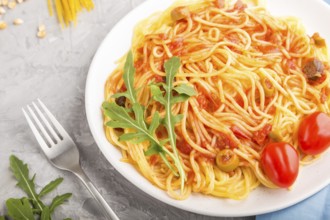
(31, 207)
(59, 200)
(185, 89)
(21, 172)
(45, 215)
(128, 77)
(129, 71)
(171, 68)
(121, 117)
(168, 100)
(154, 123)
(20, 209)
(50, 187)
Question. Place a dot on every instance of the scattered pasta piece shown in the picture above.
(3, 25)
(41, 31)
(18, 21)
(67, 10)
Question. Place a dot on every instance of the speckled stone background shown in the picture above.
(54, 69)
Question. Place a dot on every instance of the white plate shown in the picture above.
(315, 15)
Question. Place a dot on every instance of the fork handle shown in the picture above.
(108, 212)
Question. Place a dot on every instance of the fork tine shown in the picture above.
(56, 124)
(41, 127)
(49, 127)
(36, 133)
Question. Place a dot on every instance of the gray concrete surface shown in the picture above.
(54, 69)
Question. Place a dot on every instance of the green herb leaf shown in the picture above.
(128, 75)
(50, 187)
(21, 172)
(171, 68)
(45, 215)
(153, 149)
(122, 117)
(180, 98)
(185, 89)
(157, 95)
(133, 137)
(154, 123)
(157, 149)
(168, 100)
(59, 200)
(2, 218)
(19, 209)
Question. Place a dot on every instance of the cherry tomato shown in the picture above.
(314, 133)
(280, 162)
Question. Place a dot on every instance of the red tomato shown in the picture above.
(184, 147)
(280, 162)
(314, 133)
(239, 133)
(261, 135)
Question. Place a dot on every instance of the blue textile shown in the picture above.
(316, 207)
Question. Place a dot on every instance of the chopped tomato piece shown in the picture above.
(159, 78)
(138, 63)
(269, 49)
(291, 64)
(207, 158)
(122, 88)
(275, 38)
(272, 110)
(261, 136)
(238, 132)
(239, 101)
(224, 141)
(184, 147)
(176, 46)
(202, 101)
(190, 177)
(154, 159)
(209, 102)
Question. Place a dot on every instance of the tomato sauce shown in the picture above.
(184, 147)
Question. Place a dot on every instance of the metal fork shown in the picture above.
(60, 149)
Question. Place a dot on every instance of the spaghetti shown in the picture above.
(67, 10)
(253, 73)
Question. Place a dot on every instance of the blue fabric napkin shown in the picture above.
(316, 207)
